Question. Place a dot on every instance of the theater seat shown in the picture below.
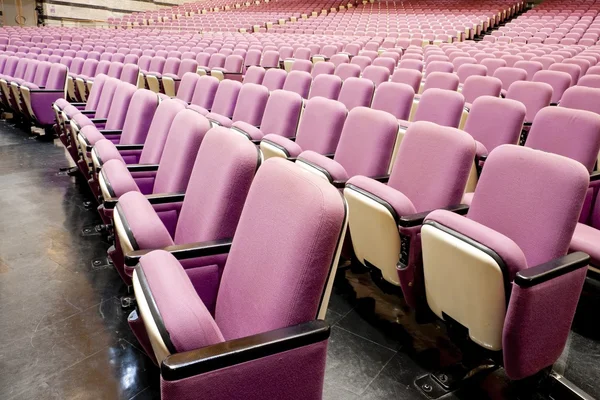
(501, 270)
(226, 163)
(430, 172)
(272, 290)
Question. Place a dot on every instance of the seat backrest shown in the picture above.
(531, 67)
(492, 64)
(274, 78)
(410, 77)
(571, 69)
(139, 117)
(226, 163)
(76, 65)
(272, 279)
(534, 95)
(270, 59)
(102, 67)
(130, 74)
(592, 81)
(159, 129)
(441, 80)
(394, 98)
(477, 86)
(181, 147)
(57, 78)
(187, 86)
(376, 74)
(119, 105)
(356, 92)
(560, 81)
(96, 92)
(298, 82)
(321, 125)
(443, 107)
(512, 206)
(115, 70)
(281, 113)
(568, 132)
(226, 97)
(254, 74)
(466, 71)
(171, 65)
(41, 73)
(205, 91)
(346, 71)
(250, 104)
(327, 86)
(432, 165)
(106, 97)
(302, 65)
(494, 121)
(30, 70)
(438, 66)
(509, 75)
(582, 98)
(367, 142)
(89, 67)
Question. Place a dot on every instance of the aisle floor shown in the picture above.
(64, 335)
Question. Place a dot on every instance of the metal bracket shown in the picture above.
(101, 263)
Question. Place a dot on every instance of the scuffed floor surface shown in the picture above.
(64, 335)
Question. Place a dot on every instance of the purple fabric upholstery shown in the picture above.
(441, 80)
(570, 133)
(560, 81)
(226, 97)
(356, 92)
(538, 321)
(581, 98)
(226, 164)
(254, 380)
(187, 86)
(394, 98)
(327, 86)
(191, 326)
(367, 141)
(443, 107)
(159, 129)
(250, 104)
(321, 125)
(477, 86)
(493, 121)
(205, 91)
(498, 194)
(534, 95)
(586, 239)
(146, 226)
(274, 79)
(121, 181)
(139, 117)
(298, 82)
(272, 279)
(441, 151)
(410, 77)
(183, 141)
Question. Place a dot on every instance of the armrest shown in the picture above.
(342, 184)
(40, 90)
(482, 157)
(88, 112)
(109, 131)
(165, 198)
(122, 147)
(184, 251)
(408, 221)
(142, 167)
(79, 104)
(98, 120)
(527, 124)
(226, 354)
(595, 176)
(551, 269)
